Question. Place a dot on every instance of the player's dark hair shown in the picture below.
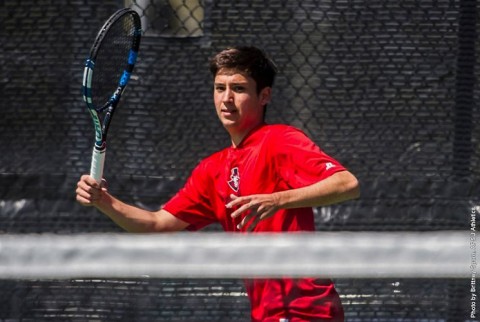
(249, 60)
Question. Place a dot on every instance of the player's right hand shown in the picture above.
(89, 192)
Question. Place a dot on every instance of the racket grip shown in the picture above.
(96, 168)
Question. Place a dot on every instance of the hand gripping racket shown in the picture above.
(107, 72)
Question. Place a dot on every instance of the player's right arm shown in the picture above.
(130, 218)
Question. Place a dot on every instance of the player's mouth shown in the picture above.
(229, 112)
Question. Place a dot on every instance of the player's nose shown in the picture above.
(228, 95)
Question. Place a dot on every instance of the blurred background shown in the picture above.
(389, 88)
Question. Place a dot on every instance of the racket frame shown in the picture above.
(101, 128)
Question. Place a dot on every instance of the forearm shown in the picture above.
(130, 218)
(341, 186)
(133, 219)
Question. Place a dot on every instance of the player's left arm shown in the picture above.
(339, 187)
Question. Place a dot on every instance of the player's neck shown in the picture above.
(238, 137)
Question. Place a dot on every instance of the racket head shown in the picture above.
(106, 74)
(111, 60)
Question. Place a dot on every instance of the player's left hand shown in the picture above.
(260, 206)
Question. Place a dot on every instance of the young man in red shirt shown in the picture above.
(268, 180)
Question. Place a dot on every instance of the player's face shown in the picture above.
(239, 107)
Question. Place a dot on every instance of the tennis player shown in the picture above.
(268, 180)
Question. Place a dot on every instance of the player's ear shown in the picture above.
(265, 95)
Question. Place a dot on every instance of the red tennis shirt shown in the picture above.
(271, 158)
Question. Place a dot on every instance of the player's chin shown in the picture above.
(228, 121)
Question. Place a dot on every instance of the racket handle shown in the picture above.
(98, 160)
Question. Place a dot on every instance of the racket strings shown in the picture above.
(112, 59)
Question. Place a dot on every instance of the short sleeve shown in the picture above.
(300, 162)
(191, 203)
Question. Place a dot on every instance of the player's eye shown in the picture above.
(219, 88)
(238, 88)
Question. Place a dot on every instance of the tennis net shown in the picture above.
(199, 276)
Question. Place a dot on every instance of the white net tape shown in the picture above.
(220, 255)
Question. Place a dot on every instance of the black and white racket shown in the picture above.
(107, 72)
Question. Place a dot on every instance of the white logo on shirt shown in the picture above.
(234, 182)
(329, 165)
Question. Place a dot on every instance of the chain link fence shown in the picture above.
(389, 88)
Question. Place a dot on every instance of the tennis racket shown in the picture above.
(106, 74)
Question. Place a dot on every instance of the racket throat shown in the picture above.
(106, 122)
